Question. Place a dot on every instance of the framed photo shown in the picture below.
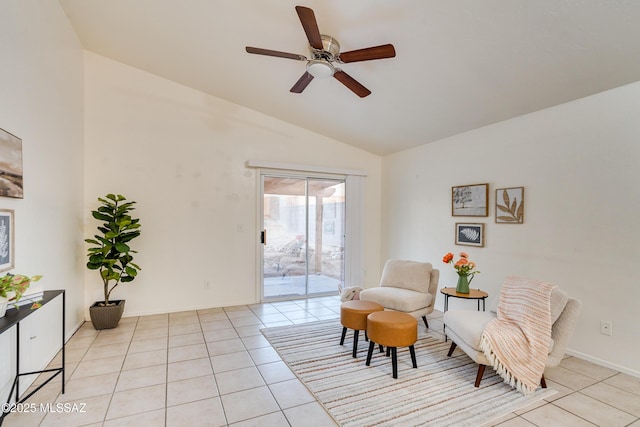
(470, 234)
(470, 200)
(10, 165)
(6, 240)
(510, 205)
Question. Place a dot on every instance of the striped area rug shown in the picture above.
(439, 393)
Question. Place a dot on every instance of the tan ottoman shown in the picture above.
(392, 329)
(353, 315)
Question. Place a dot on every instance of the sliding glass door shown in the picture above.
(302, 236)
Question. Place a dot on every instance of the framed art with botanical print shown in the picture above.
(469, 234)
(510, 205)
(6, 240)
(470, 200)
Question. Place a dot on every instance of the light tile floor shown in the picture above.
(214, 368)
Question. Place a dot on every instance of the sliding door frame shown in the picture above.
(307, 178)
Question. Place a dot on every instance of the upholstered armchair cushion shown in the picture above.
(399, 299)
(407, 275)
(406, 286)
(468, 325)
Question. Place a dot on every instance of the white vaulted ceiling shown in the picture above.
(460, 64)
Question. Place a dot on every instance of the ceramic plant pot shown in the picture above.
(106, 317)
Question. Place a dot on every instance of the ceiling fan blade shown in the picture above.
(268, 52)
(351, 83)
(310, 25)
(369, 53)
(302, 83)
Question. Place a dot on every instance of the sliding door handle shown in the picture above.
(263, 237)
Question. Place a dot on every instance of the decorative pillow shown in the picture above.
(348, 294)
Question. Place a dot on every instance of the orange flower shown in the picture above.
(461, 262)
(463, 266)
(447, 258)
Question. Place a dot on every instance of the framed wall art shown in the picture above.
(470, 200)
(10, 165)
(469, 234)
(6, 240)
(510, 205)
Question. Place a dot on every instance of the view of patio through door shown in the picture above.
(303, 236)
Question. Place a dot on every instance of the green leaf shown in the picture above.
(92, 241)
(101, 216)
(103, 240)
(131, 271)
(111, 234)
(106, 202)
(96, 259)
(124, 222)
(92, 266)
(126, 206)
(122, 247)
(125, 237)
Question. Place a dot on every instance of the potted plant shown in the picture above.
(111, 255)
(12, 287)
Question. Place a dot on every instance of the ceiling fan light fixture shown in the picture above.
(320, 68)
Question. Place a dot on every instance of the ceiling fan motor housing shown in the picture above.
(320, 64)
(330, 49)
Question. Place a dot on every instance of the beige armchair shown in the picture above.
(465, 329)
(406, 286)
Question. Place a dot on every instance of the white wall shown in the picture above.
(578, 164)
(181, 155)
(41, 101)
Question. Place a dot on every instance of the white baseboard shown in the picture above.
(604, 363)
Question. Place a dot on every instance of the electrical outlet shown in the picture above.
(606, 327)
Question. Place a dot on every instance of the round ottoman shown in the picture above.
(392, 329)
(353, 315)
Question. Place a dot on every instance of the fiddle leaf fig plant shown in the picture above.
(111, 253)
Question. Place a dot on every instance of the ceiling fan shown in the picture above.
(325, 51)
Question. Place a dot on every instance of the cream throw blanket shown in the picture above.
(517, 342)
